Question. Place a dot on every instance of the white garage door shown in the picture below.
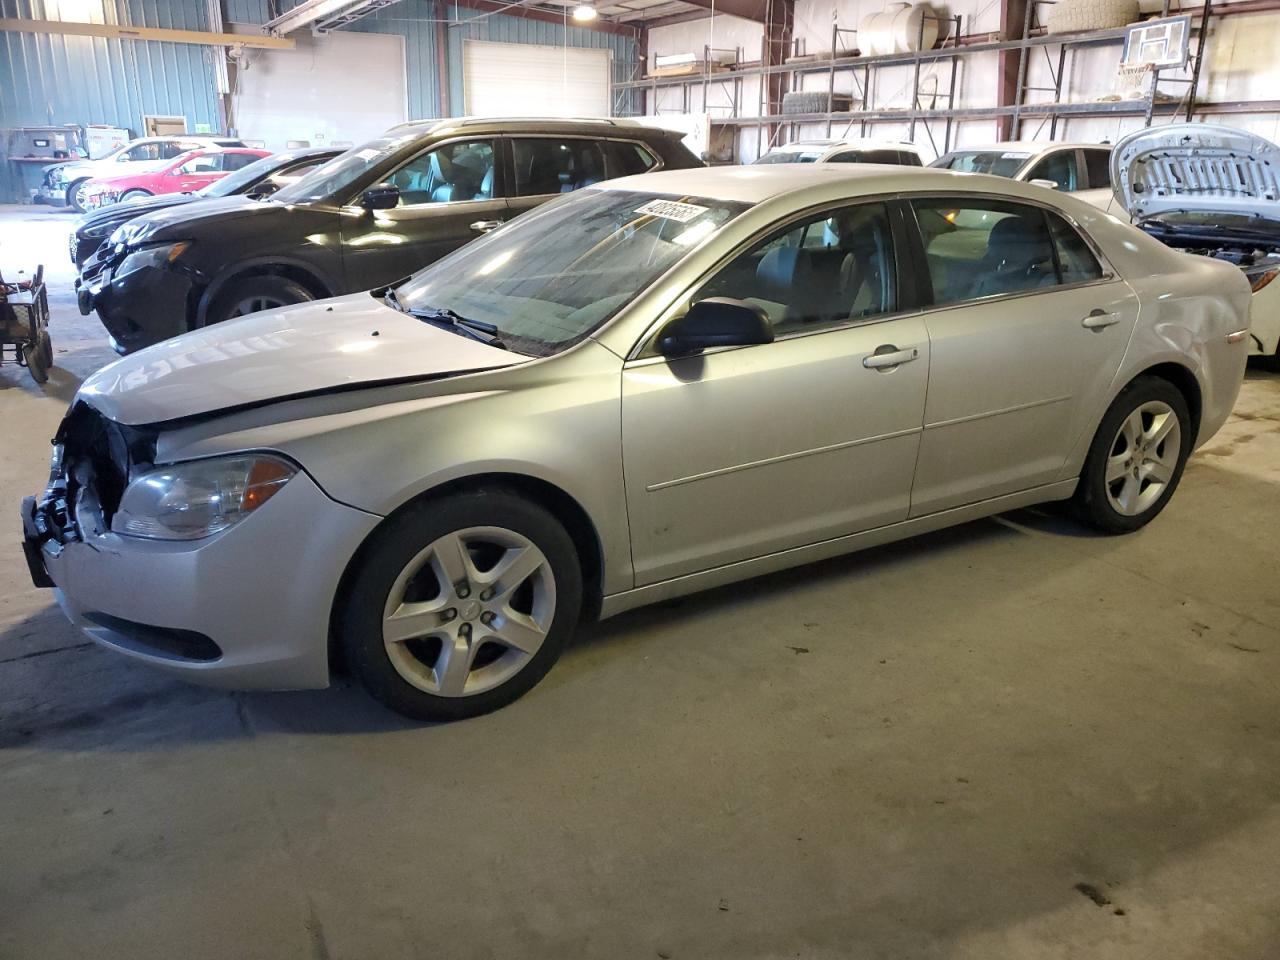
(337, 87)
(525, 80)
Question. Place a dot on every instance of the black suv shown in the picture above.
(377, 213)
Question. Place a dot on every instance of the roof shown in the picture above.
(576, 124)
(841, 142)
(756, 183)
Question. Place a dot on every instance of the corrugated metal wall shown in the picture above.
(64, 79)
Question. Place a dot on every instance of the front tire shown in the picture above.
(75, 194)
(135, 195)
(254, 294)
(461, 605)
(1136, 458)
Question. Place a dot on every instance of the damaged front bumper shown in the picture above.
(247, 608)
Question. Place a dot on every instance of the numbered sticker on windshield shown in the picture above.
(672, 210)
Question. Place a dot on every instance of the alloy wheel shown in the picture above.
(248, 305)
(466, 614)
(1143, 458)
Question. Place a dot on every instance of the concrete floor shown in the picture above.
(1008, 740)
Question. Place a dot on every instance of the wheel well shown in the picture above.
(1185, 381)
(562, 506)
(297, 274)
(200, 301)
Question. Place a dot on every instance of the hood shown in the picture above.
(308, 349)
(177, 222)
(120, 212)
(1196, 168)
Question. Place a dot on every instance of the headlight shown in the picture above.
(98, 232)
(198, 498)
(153, 255)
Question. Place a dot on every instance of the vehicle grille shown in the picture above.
(91, 467)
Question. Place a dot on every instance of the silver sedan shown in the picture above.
(647, 388)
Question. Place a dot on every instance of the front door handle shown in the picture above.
(889, 356)
(1097, 319)
(484, 226)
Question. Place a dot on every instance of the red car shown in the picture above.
(185, 173)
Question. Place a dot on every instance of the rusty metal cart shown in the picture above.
(24, 326)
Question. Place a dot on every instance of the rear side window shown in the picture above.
(556, 165)
(234, 161)
(909, 159)
(631, 158)
(982, 248)
(1076, 262)
(1098, 163)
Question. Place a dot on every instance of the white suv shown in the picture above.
(1079, 168)
(855, 150)
(63, 183)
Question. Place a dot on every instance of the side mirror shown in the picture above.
(381, 196)
(715, 322)
(1041, 182)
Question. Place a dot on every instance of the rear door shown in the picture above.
(449, 195)
(547, 166)
(1027, 330)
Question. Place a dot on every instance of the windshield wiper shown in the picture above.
(480, 330)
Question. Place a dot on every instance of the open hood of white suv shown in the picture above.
(1196, 168)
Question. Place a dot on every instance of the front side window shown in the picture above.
(448, 174)
(553, 165)
(1060, 167)
(335, 179)
(827, 271)
(1098, 163)
(564, 268)
(205, 163)
(145, 151)
(982, 248)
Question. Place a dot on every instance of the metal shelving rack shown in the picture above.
(952, 50)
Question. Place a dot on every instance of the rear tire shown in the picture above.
(254, 294)
(461, 605)
(1136, 458)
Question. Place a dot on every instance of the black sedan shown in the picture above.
(259, 179)
(378, 213)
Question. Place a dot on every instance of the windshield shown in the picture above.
(790, 156)
(245, 177)
(563, 269)
(342, 171)
(1001, 163)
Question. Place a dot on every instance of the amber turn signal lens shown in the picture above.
(1264, 279)
(265, 478)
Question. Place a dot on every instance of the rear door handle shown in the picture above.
(1097, 319)
(484, 226)
(889, 356)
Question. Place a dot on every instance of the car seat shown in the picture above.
(1019, 257)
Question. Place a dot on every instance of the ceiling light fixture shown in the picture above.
(584, 12)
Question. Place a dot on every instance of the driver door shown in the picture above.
(741, 452)
(197, 173)
(449, 195)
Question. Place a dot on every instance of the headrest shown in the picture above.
(783, 272)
